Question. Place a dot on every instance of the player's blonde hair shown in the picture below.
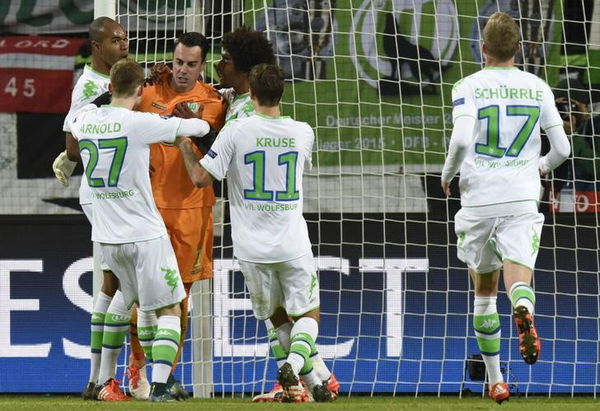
(501, 36)
(125, 77)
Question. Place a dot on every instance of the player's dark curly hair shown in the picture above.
(193, 39)
(248, 48)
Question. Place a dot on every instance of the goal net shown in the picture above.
(374, 80)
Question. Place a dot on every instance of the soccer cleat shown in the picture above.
(159, 393)
(175, 388)
(333, 386)
(293, 390)
(111, 392)
(529, 342)
(499, 392)
(90, 392)
(139, 387)
(275, 395)
(321, 393)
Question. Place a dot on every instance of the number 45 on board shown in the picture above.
(27, 87)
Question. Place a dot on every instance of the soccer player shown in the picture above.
(496, 143)
(185, 209)
(243, 49)
(109, 44)
(263, 157)
(114, 143)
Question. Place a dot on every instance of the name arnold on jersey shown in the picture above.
(102, 128)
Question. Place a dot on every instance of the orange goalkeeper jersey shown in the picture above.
(171, 184)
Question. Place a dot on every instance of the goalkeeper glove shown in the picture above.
(63, 168)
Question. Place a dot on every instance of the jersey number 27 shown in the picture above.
(118, 146)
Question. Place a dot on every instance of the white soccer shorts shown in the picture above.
(88, 211)
(484, 243)
(293, 285)
(147, 271)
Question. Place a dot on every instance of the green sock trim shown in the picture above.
(113, 339)
(306, 338)
(116, 319)
(302, 350)
(488, 347)
(487, 324)
(308, 367)
(98, 318)
(96, 340)
(522, 291)
(167, 334)
(163, 353)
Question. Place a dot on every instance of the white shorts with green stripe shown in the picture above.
(484, 243)
(293, 285)
(147, 272)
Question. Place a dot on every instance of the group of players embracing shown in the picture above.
(150, 152)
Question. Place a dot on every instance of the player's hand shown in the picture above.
(158, 73)
(446, 188)
(183, 110)
(63, 168)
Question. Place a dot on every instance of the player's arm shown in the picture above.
(72, 148)
(559, 149)
(552, 123)
(464, 116)
(460, 141)
(199, 176)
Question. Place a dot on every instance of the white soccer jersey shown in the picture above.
(263, 159)
(501, 164)
(90, 85)
(240, 106)
(115, 149)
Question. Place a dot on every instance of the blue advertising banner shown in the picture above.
(397, 324)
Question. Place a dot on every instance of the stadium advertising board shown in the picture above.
(398, 324)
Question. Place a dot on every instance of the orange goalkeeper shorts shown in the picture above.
(191, 234)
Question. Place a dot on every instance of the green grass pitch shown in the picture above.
(60, 402)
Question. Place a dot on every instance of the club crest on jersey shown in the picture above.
(158, 106)
(193, 107)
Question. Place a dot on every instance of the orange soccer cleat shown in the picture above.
(275, 395)
(499, 392)
(112, 392)
(529, 342)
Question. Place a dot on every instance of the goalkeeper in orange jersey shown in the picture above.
(185, 209)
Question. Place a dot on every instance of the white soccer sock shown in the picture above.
(521, 293)
(486, 315)
(303, 336)
(165, 346)
(116, 327)
(320, 367)
(97, 329)
(283, 336)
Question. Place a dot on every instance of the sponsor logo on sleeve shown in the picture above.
(211, 153)
(458, 101)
